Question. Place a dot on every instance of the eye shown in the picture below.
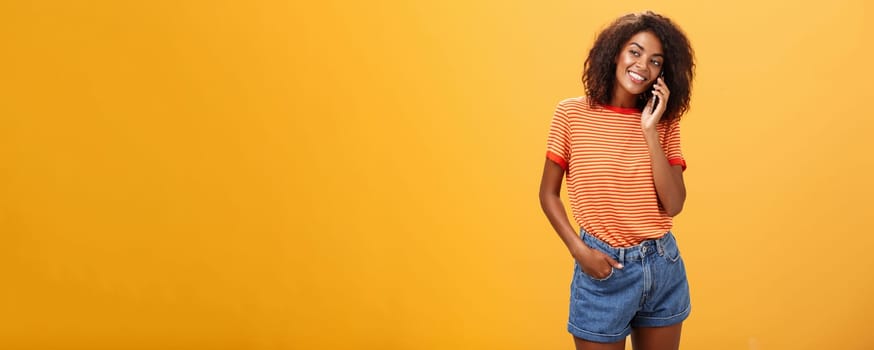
(635, 53)
(656, 63)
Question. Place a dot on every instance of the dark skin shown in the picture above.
(637, 69)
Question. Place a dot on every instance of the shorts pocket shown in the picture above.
(673, 256)
(612, 271)
(671, 251)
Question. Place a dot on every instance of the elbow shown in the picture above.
(545, 197)
(675, 206)
(542, 195)
(672, 212)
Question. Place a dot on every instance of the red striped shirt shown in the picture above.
(608, 170)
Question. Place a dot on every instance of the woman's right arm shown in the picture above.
(593, 262)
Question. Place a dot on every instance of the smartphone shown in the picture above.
(656, 98)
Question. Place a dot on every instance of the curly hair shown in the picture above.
(599, 74)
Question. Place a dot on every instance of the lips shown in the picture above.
(637, 78)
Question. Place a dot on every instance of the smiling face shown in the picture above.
(637, 66)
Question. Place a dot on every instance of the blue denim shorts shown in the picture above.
(650, 291)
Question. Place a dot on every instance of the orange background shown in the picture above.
(326, 175)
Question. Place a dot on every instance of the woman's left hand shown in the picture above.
(649, 118)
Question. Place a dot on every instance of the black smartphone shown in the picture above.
(656, 98)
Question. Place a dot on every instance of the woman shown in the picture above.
(619, 147)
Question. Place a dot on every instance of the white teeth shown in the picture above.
(636, 76)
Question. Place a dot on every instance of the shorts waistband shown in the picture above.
(635, 252)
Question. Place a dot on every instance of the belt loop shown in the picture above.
(621, 256)
(660, 246)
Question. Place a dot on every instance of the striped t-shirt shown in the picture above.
(608, 170)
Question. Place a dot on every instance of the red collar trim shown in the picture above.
(622, 110)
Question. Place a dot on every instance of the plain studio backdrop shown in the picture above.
(339, 175)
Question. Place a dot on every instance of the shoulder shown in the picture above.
(575, 106)
(672, 125)
(669, 129)
(574, 102)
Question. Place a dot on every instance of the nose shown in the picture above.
(641, 64)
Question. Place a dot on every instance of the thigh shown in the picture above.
(582, 344)
(656, 338)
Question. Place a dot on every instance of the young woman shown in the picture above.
(619, 147)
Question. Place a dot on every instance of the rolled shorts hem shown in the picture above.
(597, 337)
(643, 321)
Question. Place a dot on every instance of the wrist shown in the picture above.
(651, 133)
(579, 250)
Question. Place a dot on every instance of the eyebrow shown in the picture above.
(641, 47)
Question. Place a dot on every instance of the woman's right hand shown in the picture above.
(594, 262)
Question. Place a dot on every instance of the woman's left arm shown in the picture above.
(668, 178)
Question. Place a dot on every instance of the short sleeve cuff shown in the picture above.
(557, 159)
(678, 161)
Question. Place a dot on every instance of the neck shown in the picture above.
(622, 98)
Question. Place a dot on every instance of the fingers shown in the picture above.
(598, 264)
(605, 271)
(661, 89)
(613, 262)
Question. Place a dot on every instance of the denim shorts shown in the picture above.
(650, 291)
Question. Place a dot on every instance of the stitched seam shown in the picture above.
(668, 317)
